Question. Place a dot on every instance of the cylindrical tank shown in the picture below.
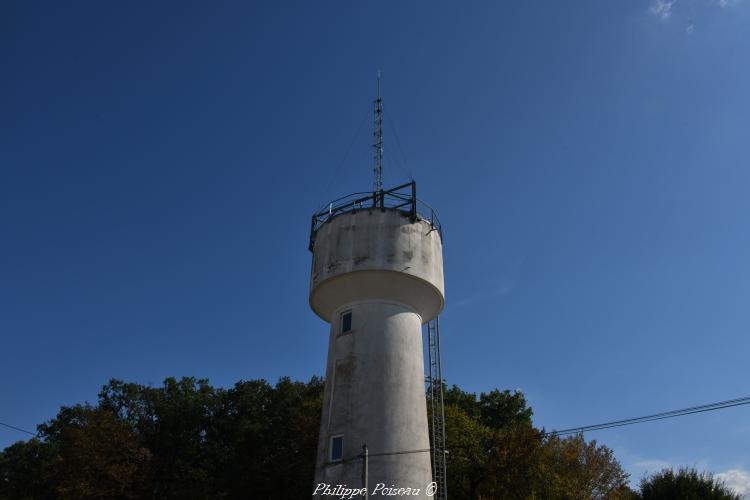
(377, 276)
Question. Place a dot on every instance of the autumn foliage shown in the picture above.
(189, 440)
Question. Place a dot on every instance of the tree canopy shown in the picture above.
(183, 440)
(495, 452)
(188, 440)
(686, 483)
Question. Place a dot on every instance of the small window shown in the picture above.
(346, 321)
(337, 448)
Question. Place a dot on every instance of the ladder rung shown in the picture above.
(435, 381)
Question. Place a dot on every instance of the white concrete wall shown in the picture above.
(388, 270)
(375, 395)
(374, 254)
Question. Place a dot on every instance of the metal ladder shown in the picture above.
(437, 409)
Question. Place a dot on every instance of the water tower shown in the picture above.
(377, 278)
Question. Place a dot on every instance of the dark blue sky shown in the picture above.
(159, 163)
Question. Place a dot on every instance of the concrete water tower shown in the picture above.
(377, 278)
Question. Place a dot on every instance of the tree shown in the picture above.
(504, 410)
(514, 467)
(27, 470)
(211, 443)
(495, 452)
(172, 421)
(574, 468)
(685, 484)
(98, 456)
(188, 440)
(183, 440)
(469, 443)
(271, 435)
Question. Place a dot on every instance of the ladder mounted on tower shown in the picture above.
(437, 409)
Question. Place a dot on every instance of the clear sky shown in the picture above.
(159, 163)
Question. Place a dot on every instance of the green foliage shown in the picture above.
(27, 470)
(504, 410)
(464, 401)
(99, 456)
(572, 467)
(189, 440)
(183, 440)
(514, 468)
(685, 484)
(469, 443)
(495, 409)
(495, 452)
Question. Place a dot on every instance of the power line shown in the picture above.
(616, 423)
(18, 429)
(335, 171)
(398, 143)
(656, 416)
(389, 454)
(720, 405)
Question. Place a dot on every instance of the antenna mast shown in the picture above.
(378, 146)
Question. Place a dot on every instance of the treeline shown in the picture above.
(495, 452)
(189, 440)
(183, 440)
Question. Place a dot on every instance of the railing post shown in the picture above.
(365, 470)
(413, 200)
(312, 233)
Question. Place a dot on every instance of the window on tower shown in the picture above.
(337, 448)
(346, 321)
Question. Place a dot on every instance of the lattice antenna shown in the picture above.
(378, 145)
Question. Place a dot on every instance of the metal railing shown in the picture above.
(403, 198)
